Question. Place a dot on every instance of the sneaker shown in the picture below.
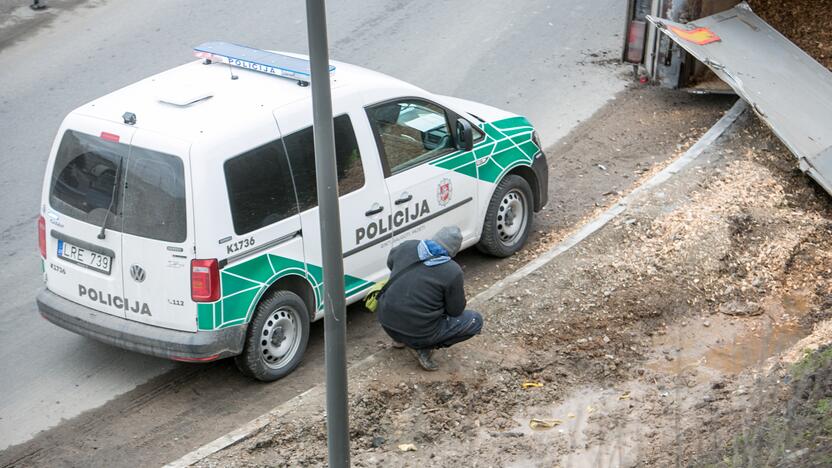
(398, 344)
(425, 358)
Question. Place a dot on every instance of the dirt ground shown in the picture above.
(655, 342)
(631, 137)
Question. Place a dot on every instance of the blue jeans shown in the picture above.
(451, 330)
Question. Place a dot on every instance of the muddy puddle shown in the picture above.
(729, 344)
(573, 430)
(597, 426)
(753, 350)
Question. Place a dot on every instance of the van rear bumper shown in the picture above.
(206, 345)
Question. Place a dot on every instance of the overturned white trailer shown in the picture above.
(788, 89)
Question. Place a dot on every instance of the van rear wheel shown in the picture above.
(276, 338)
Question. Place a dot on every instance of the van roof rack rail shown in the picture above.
(259, 60)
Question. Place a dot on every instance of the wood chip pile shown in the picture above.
(807, 23)
(734, 236)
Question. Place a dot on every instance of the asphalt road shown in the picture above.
(531, 57)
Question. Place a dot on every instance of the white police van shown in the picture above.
(179, 215)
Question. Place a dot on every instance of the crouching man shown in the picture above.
(423, 304)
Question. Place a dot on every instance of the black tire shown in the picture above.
(267, 356)
(500, 237)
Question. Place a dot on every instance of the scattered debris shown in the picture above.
(746, 309)
(544, 424)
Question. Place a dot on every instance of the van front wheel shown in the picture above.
(276, 338)
(508, 219)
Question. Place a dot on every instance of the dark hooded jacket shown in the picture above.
(417, 300)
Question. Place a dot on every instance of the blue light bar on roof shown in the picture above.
(256, 59)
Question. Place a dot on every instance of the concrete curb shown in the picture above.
(250, 428)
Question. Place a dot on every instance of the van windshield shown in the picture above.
(147, 197)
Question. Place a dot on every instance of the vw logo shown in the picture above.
(137, 272)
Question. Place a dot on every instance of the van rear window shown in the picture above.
(143, 191)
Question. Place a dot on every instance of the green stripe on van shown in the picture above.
(507, 144)
(245, 283)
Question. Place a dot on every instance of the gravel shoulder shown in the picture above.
(649, 344)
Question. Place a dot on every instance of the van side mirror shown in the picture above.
(464, 135)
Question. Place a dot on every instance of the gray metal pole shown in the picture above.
(335, 330)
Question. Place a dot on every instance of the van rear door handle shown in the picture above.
(406, 198)
(374, 211)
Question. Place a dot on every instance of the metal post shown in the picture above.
(337, 417)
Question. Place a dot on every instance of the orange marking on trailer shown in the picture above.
(699, 36)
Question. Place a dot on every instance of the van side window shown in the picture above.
(301, 148)
(410, 132)
(260, 188)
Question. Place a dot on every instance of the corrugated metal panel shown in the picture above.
(789, 90)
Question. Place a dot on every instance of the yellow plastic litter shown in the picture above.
(407, 447)
(531, 384)
(544, 424)
(624, 396)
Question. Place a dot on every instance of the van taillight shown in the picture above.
(205, 280)
(42, 236)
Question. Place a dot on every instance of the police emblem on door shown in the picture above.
(137, 273)
(444, 192)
